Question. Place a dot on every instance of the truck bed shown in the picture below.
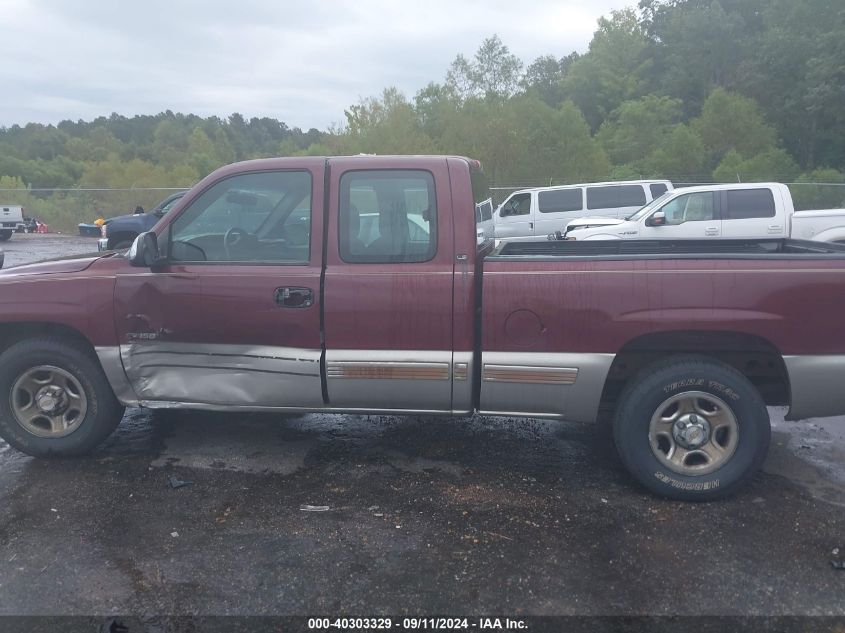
(667, 249)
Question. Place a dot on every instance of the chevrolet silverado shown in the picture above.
(363, 284)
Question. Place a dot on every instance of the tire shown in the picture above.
(5, 236)
(84, 397)
(713, 401)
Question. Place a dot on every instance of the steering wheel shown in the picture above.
(232, 238)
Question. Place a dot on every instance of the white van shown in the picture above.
(531, 213)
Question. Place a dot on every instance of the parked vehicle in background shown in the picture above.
(29, 225)
(736, 210)
(534, 213)
(11, 216)
(359, 284)
(119, 232)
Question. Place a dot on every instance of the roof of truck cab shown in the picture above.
(608, 183)
(363, 159)
(732, 185)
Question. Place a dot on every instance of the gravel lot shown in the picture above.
(425, 516)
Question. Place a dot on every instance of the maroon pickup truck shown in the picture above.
(363, 284)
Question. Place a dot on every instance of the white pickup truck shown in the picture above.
(11, 216)
(741, 210)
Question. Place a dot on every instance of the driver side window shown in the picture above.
(520, 204)
(256, 217)
(692, 207)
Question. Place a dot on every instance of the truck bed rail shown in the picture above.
(667, 249)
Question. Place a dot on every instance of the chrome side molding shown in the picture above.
(529, 374)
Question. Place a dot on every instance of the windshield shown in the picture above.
(649, 207)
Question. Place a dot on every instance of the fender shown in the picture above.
(835, 234)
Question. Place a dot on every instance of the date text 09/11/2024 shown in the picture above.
(411, 623)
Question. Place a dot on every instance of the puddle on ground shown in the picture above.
(810, 453)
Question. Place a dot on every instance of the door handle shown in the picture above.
(531, 225)
(294, 297)
(711, 230)
(774, 228)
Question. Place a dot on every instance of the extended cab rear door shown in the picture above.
(753, 212)
(388, 284)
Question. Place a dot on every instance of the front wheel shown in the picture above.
(691, 428)
(54, 399)
(5, 235)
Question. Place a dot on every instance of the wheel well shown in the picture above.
(11, 333)
(754, 357)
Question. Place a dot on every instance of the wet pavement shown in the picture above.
(332, 514)
(24, 248)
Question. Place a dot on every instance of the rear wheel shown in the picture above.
(54, 399)
(5, 235)
(691, 428)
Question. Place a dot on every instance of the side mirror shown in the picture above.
(658, 218)
(479, 237)
(144, 251)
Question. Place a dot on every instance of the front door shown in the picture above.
(388, 287)
(232, 319)
(688, 216)
(514, 219)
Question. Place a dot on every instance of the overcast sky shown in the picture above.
(301, 62)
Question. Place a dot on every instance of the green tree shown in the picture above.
(614, 70)
(493, 73)
(387, 125)
(730, 121)
(544, 77)
(635, 128)
(772, 164)
(827, 190)
(679, 157)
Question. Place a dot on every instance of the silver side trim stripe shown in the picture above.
(387, 370)
(528, 374)
(461, 371)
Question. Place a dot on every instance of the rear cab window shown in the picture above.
(387, 216)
